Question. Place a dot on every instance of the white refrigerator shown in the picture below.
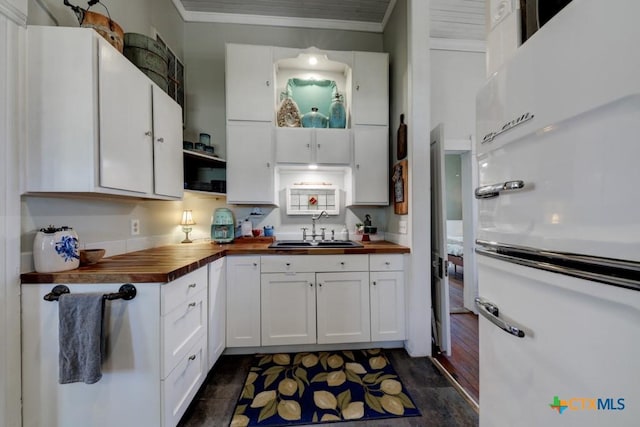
(558, 236)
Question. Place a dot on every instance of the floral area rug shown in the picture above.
(308, 388)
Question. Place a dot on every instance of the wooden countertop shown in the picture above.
(167, 263)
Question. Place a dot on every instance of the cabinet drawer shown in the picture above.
(384, 262)
(313, 263)
(179, 388)
(176, 292)
(181, 328)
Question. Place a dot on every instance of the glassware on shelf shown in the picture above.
(337, 113)
(288, 113)
(314, 119)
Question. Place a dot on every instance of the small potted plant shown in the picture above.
(359, 228)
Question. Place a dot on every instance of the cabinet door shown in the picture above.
(333, 146)
(371, 165)
(217, 310)
(294, 145)
(387, 305)
(167, 145)
(288, 308)
(370, 104)
(249, 80)
(250, 172)
(243, 301)
(343, 307)
(126, 151)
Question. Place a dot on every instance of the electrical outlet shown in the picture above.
(135, 227)
(402, 227)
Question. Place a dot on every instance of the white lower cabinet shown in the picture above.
(387, 297)
(343, 307)
(217, 309)
(288, 302)
(309, 299)
(243, 301)
(155, 361)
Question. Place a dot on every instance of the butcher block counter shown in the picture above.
(167, 263)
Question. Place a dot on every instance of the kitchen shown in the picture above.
(160, 216)
(106, 222)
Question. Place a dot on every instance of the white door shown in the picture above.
(250, 172)
(333, 146)
(387, 305)
(243, 301)
(250, 91)
(167, 145)
(343, 307)
(440, 280)
(370, 165)
(370, 88)
(288, 308)
(294, 145)
(126, 151)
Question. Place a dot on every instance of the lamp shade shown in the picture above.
(187, 218)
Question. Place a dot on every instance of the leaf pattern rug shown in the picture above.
(306, 388)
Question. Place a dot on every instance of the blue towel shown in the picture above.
(81, 338)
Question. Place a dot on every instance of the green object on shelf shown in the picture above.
(312, 93)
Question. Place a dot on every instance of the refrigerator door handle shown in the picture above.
(490, 191)
(492, 313)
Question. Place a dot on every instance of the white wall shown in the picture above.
(456, 77)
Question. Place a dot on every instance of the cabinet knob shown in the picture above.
(357, 166)
(192, 357)
(268, 164)
(192, 304)
(288, 264)
(268, 83)
(374, 283)
(160, 139)
(192, 285)
(148, 133)
(387, 263)
(311, 284)
(318, 145)
(255, 264)
(357, 87)
(342, 263)
(319, 285)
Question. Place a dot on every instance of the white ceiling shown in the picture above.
(450, 19)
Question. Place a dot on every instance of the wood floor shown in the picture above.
(463, 362)
(439, 402)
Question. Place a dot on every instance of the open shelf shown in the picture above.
(204, 174)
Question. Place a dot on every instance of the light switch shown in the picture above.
(402, 227)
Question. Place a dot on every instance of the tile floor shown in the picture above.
(441, 405)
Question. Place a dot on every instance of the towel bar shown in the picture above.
(126, 292)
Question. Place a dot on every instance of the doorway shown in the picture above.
(461, 361)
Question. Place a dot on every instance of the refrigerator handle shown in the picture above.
(492, 313)
(490, 191)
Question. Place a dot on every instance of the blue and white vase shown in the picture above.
(56, 249)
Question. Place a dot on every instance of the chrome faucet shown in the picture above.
(313, 225)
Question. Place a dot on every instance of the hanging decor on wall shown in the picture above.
(399, 185)
(401, 142)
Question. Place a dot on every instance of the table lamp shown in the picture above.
(186, 223)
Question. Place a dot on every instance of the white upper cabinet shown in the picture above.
(370, 92)
(126, 149)
(249, 83)
(370, 166)
(97, 124)
(250, 168)
(305, 145)
(167, 145)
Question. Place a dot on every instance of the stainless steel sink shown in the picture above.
(298, 244)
